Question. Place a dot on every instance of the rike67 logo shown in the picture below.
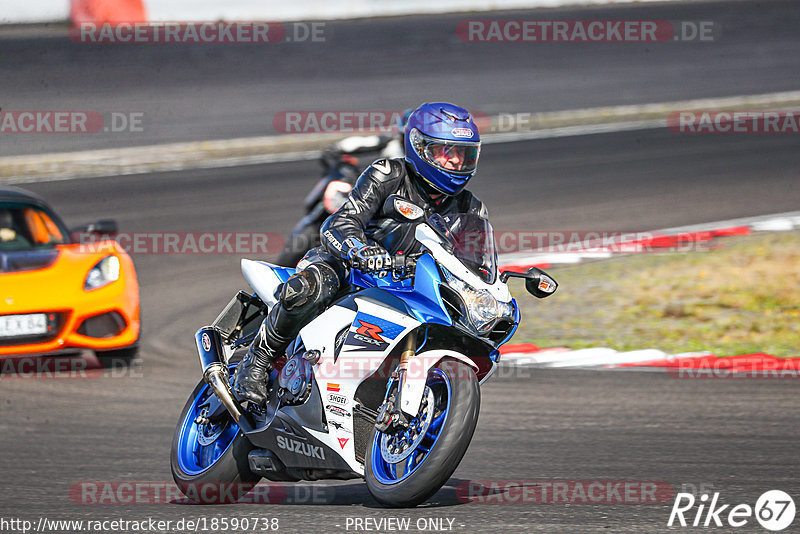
(774, 511)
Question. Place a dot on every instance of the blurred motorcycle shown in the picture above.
(341, 170)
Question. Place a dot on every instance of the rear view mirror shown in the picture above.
(537, 282)
(102, 229)
(104, 226)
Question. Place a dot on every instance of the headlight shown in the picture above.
(482, 307)
(105, 272)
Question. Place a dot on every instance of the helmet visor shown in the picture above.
(459, 157)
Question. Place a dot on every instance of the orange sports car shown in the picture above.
(57, 294)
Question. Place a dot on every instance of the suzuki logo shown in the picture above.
(298, 447)
(370, 329)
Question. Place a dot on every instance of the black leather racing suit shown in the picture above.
(323, 270)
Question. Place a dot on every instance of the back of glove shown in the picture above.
(371, 259)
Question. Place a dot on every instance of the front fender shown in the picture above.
(418, 368)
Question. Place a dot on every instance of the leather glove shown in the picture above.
(371, 259)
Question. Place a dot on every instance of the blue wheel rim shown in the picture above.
(195, 457)
(393, 473)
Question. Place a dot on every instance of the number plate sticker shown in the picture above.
(23, 325)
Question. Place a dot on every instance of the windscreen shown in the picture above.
(26, 227)
(473, 243)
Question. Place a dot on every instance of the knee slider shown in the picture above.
(298, 289)
(328, 282)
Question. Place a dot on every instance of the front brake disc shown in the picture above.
(396, 447)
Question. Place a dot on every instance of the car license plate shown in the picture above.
(23, 325)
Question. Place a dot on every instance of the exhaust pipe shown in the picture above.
(215, 372)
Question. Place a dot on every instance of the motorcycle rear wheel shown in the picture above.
(209, 462)
(406, 483)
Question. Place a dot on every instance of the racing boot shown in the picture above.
(302, 296)
(252, 373)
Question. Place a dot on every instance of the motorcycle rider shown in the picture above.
(442, 145)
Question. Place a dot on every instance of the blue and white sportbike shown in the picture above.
(384, 385)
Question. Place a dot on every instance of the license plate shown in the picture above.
(23, 325)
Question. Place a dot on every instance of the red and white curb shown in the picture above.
(689, 364)
(529, 355)
(669, 239)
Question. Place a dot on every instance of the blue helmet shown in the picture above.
(442, 145)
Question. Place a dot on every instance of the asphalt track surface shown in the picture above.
(217, 91)
(737, 437)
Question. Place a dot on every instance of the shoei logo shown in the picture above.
(337, 399)
(774, 511)
(462, 132)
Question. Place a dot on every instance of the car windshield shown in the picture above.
(473, 243)
(27, 227)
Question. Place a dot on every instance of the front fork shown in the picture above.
(390, 416)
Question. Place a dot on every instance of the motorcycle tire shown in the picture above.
(428, 474)
(219, 475)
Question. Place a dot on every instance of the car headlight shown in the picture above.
(482, 308)
(105, 272)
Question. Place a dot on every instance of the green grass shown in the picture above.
(740, 296)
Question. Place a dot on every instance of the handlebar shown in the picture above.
(403, 266)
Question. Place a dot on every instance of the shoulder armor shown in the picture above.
(386, 169)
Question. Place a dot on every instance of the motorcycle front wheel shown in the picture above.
(404, 469)
(209, 461)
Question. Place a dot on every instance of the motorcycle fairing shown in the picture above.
(265, 278)
(339, 378)
(298, 447)
(421, 294)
